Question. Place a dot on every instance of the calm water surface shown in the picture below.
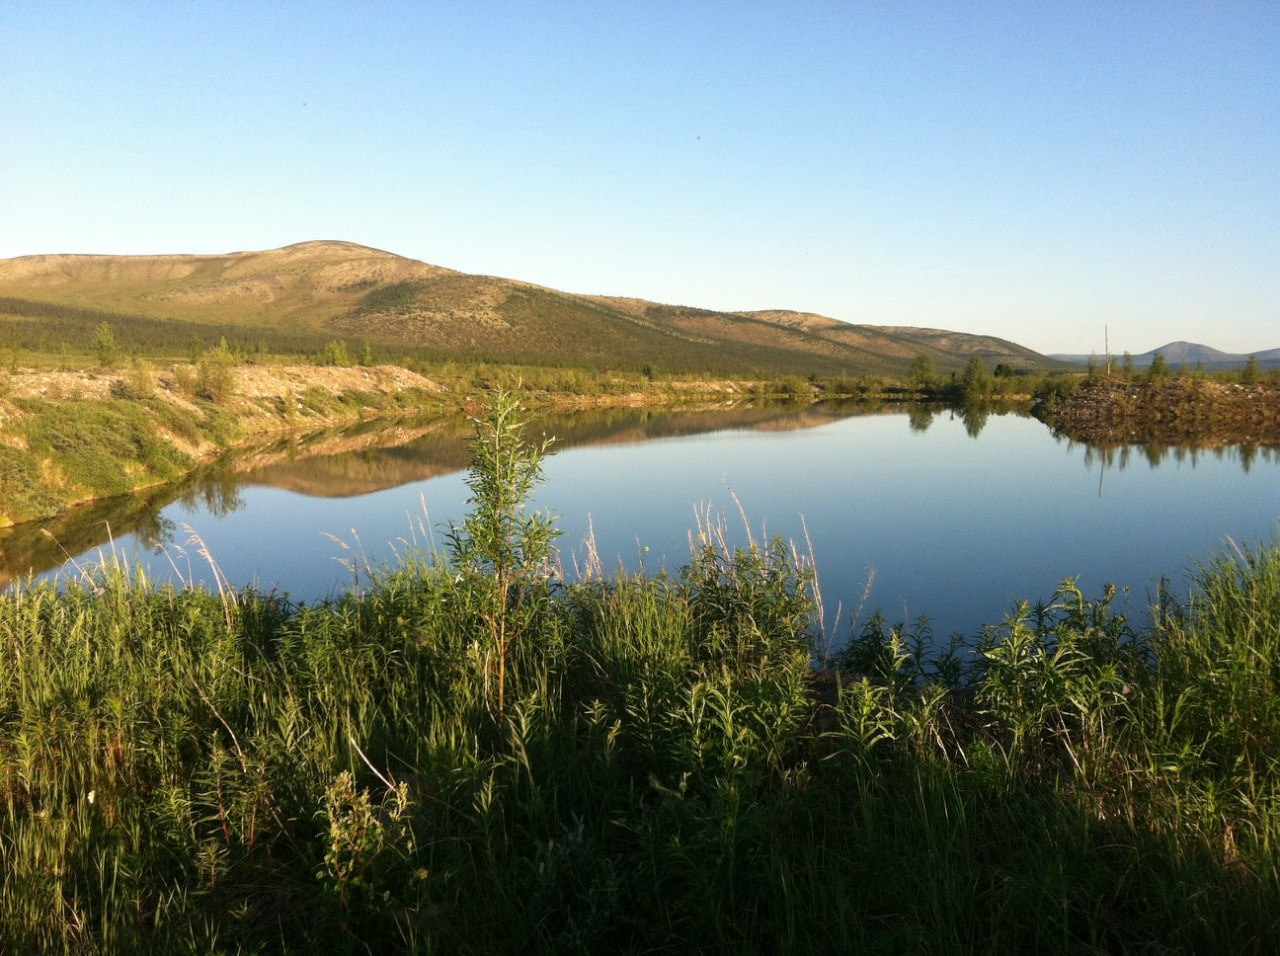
(940, 515)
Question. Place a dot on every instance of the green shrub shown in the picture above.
(25, 493)
(105, 347)
(1053, 388)
(335, 353)
(103, 448)
(215, 375)
(791, 386)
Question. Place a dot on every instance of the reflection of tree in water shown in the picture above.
(154, 530)
(920, 417)
(1249, 454)
(218, 494)
(1118, 457)
(975, 415)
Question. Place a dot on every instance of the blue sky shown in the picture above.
(1037, 171)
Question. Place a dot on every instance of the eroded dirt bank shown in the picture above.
(1175, 411)
(69, 437)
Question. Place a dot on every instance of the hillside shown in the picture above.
(311, 292)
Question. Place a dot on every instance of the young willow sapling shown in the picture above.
(504, 552)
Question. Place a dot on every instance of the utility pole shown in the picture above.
(1106, 344)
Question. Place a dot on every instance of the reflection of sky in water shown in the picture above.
(953, 526)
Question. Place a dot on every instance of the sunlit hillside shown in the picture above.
(304, 294)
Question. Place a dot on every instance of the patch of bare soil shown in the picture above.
(250, 381)
(264, 381)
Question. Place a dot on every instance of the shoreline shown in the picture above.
(1110, 410)
(70, 439)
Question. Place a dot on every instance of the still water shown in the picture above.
(912, 512)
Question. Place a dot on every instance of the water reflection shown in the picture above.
(973, 415)
(951, 526)
(1120, 456)
(920, 416)
(355, 461)
(37, 546)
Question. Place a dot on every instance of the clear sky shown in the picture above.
(1033, 170)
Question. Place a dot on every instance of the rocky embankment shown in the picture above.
(1174, 411)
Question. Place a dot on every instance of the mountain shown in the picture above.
(312, 292)
(1189, 354)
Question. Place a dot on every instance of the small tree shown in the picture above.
(976, 380)
(215, 380)
(923, 374)
(1159, 368)
(335, 353)
(105, 346)
(1252, 373)
(502, 550)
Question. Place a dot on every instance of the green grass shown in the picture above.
(665, 771)
(58, 451)
(21, 478)
(103, 448)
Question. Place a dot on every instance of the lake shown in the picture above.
(910, 510)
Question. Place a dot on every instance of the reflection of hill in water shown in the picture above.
(372, 456)
(348, 463)
(343, 465)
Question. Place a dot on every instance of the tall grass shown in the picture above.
(183, 771)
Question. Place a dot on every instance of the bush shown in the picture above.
(105, 347)
(215, 378)
(791, 386)
(335, 353)
(1053, 388)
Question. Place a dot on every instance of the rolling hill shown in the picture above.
(1190, 354)
(305, 294)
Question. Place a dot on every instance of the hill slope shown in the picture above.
(340, 289)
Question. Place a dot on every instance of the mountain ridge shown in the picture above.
(1188, 353)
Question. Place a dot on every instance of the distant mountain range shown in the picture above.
(314, 291)
(1186, 353)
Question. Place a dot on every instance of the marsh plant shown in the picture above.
(473, 755)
